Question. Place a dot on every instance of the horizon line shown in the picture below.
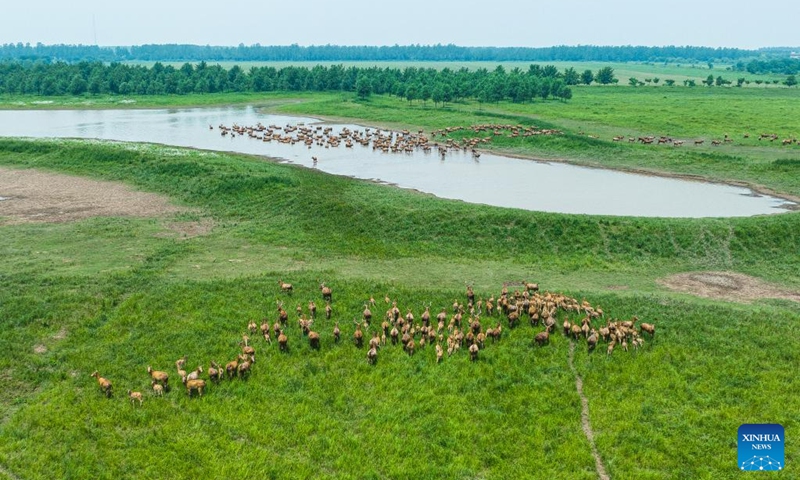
(432, 45)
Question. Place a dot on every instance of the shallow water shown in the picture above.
(492, 179)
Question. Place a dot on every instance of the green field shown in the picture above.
(119, 294)
(623, 71)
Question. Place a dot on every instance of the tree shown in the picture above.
(496, 88)
(77, 86)
(561, 90)
(437, 94)
(363, 87)
(448, 93)
(605, 76)
(669, 82)
(709, 80)
(656, 80)
(516, 88)
(545, 89)
(550, 71)
(48, 87)
(425, 92)
(689, 83)
(740, 82)
(95, 83)
(484, 92)
(412, 92)
(296, 53)
(633, 82)
(571, 77)
(790, 81)
(587, 77)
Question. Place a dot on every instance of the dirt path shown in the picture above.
(587, 427)
(33, 196)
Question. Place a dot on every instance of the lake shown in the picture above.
(491, 179)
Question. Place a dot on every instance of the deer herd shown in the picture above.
(459, 326)
(405, 141)
(385, 141)
(666, 140)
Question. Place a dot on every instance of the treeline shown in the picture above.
(441, 86)
(337, 53)
(785, 66)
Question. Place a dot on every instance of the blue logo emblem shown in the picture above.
(761, 447)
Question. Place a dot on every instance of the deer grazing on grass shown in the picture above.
(285, 287)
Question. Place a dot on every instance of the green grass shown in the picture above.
(120, 294)
(699, 112)
(622, 70)
(35, 102)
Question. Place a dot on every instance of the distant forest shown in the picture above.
(411, 83)
(786, 66)
(336, 53)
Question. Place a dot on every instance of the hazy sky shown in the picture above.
(533, 23)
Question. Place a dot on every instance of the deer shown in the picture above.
(336, 333)
(367, 314)
(285, 287)
(327, 293)
(313, 339)
(283, 316)
(358, 335)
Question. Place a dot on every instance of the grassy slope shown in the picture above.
(126, 297)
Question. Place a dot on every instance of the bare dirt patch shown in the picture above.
(39, 349)
(61, 335)
(32, 196)
(731, 286)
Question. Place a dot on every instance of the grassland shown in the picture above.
(33, 102)
(623, 70)
(118, 294)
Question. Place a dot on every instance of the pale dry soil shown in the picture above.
(34, 196)
(730, 286)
